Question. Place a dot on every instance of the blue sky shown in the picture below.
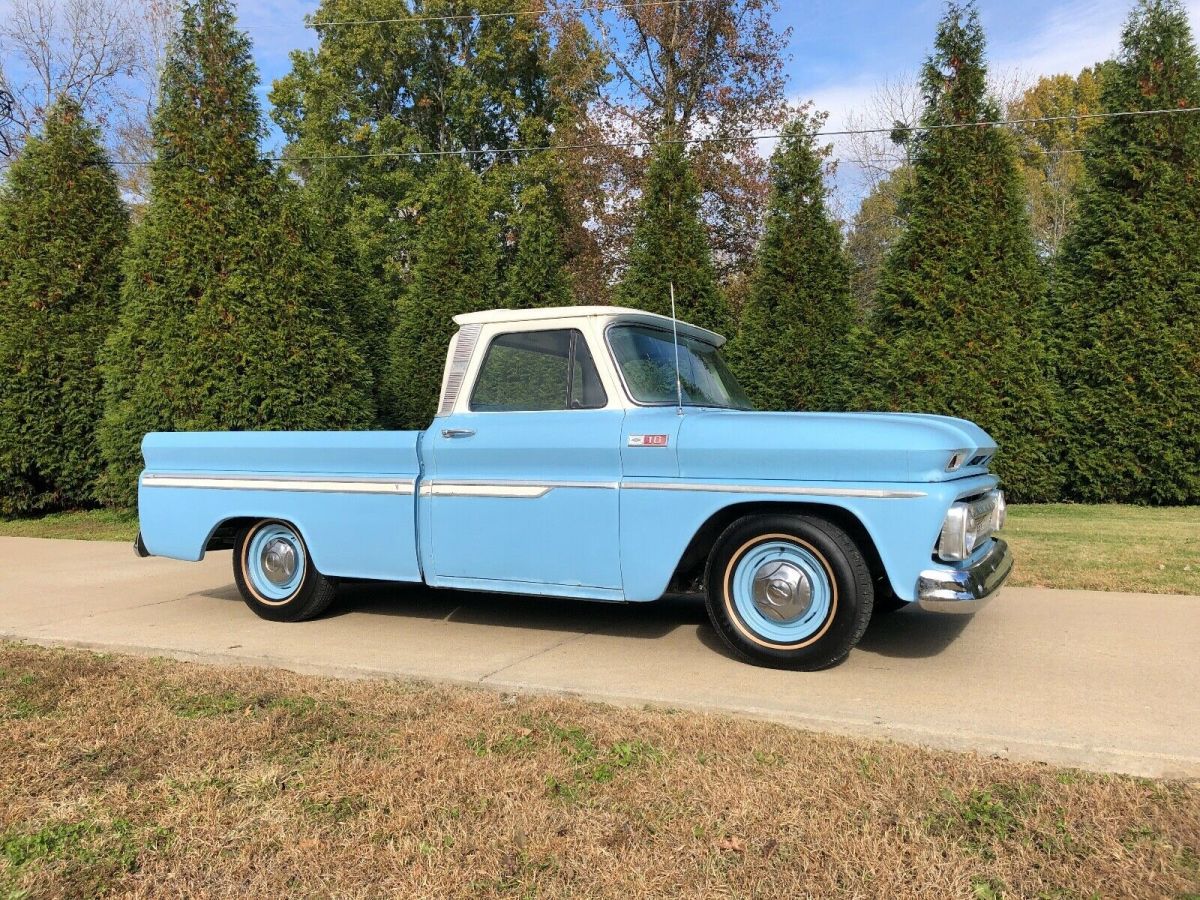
(840, 50)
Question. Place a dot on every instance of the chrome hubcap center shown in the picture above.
(782, 592)
(279, 561)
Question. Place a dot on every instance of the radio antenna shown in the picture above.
(675, 335)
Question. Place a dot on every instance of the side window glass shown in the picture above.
(586, 390)
(538, 370)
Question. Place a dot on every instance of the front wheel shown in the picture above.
(788, 591)
(275, 574)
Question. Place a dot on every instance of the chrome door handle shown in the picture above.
(458, 432)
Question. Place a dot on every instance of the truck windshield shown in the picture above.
(646, 356)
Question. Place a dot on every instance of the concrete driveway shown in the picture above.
(1097, 680)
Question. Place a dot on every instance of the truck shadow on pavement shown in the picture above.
(910, 633)
(635, 620)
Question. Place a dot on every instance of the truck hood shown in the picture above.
(885, 447)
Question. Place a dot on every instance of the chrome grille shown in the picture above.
(983, 519)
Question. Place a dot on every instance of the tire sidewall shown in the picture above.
(290, 608)
(843, 564)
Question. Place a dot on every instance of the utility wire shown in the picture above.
(636, 144)
(996, 122)
(469, 17)
(461, 17)
(600, 7)
(735, 138)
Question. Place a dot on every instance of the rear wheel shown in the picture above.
(275, 574)
(788, 591)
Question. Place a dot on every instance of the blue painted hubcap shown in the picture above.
(275, 562)
(781, 591)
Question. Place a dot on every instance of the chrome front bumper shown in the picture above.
(969, 589)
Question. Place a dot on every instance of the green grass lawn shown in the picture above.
(1106, 548)
(1061, 545)
(82, 525)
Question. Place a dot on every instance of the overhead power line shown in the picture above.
(1005, 122)
(635, 144)
(599, 7)
(775, 135)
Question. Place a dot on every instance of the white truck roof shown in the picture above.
(502, 316)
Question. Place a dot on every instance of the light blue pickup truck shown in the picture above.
(568, 459)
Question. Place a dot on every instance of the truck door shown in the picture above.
(524, 493)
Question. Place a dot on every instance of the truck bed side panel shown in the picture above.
(351, 494)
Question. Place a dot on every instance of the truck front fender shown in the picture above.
(667, 523)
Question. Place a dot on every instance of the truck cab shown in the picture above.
(606, 454)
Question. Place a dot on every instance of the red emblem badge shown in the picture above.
(649, 440)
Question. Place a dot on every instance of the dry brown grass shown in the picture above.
(150, 778)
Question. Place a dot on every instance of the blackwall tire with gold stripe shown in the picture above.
(275, 573)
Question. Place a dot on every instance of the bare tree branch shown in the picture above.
(697, 68)
(105, 54)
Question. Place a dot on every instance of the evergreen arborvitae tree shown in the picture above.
(793, 348)
(230, 317)
(454, 271)
(62, 230)
(1127, 287)
(370, 309)
(670, 246)
(959, 316)
(419, 85)
(536, 275)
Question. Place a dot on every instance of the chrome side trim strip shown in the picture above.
(517, 490)
(872, 493)
(326, 484)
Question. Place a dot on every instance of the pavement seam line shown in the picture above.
(533, 655)
(96, 615)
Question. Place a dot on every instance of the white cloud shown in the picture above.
(1073, 35)
(1068, 37)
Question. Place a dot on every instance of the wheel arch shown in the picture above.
(223, 535)
(689, 571)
